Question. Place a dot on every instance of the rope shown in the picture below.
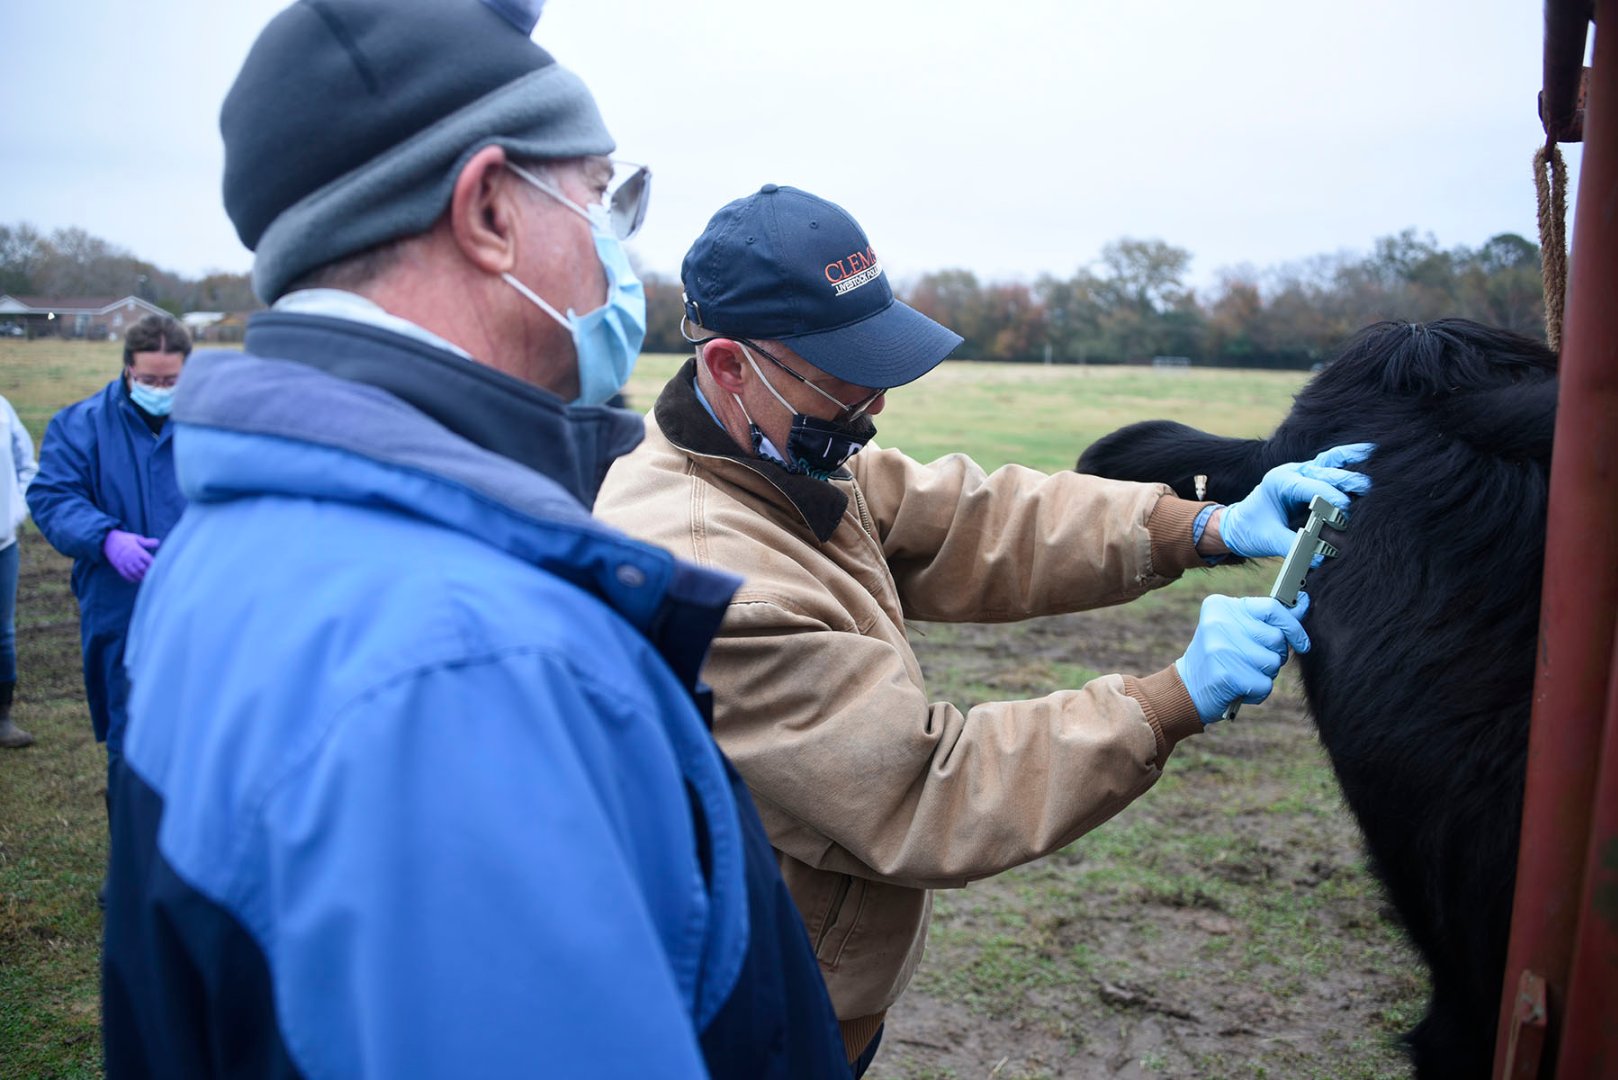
(1550, 182)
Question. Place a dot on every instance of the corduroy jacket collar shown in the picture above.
(689, 426)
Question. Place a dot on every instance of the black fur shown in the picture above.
(1423, 662)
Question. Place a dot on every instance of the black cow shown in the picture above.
(1424, 629)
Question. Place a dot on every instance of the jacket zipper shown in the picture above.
(865, 515)
(868, 528)
(867, 525)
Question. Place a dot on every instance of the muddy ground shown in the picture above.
(1223, 926)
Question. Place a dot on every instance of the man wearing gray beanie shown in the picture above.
(418, 779)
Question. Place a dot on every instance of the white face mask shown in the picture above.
(608, 339)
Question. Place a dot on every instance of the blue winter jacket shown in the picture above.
(416, 782)
(101, 468)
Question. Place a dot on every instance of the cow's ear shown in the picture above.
(1165, 452)
(1510, 422)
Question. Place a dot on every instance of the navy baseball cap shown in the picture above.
(785, 265)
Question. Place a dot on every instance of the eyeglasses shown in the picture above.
(157, 382)
(623, 204)
(628, 194)
(849, 414)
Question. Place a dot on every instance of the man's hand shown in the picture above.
(1238, 649)
(1257, 527)
(129, 554)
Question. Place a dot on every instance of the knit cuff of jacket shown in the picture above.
(1170, 526)
(858, 1033)
(1168, 708)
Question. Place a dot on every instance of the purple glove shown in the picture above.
(129, 554)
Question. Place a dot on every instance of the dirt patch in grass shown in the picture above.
(1223, 926)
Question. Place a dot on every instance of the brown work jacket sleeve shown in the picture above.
(965, 546)
(839, 734)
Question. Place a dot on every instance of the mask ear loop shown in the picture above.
(757, 432)
(537, 300)
(684, 322)
(754, 365)
(773, 391)
(841, 405)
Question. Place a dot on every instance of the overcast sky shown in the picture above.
(1011, 138)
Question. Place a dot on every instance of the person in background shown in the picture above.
(106, 497)
(419, 781)
(757, 461)
(17, 469)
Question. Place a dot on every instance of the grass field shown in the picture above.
(1043, 416)
(1223, 926)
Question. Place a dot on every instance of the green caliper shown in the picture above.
(1295, 567)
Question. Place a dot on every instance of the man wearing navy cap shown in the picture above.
(758, 460)
(418, 780)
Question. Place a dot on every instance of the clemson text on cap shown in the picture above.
(852, 271)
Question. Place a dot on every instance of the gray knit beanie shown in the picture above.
(350, 120)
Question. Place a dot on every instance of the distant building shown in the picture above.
(96, 318)
(199, 321)
(216, 326)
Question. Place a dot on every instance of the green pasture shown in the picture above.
(39, 377)
(1004, 955)
(1029, 414)
(1043, 416)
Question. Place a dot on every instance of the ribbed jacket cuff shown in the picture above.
(1167, 705)
(858, 1033)
(1170, 526)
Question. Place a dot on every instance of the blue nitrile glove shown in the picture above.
(1257, 526)
(1239, 646)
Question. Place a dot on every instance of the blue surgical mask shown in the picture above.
(608, 339)
(155, 401)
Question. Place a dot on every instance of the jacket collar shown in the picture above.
(572, 445)
(683, 420)
(116, 397)
(251, 425)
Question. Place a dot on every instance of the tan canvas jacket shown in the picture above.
(873, 793)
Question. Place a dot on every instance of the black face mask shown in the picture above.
(815, 447)
(818, 448)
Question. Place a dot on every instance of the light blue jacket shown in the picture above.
(416, 783)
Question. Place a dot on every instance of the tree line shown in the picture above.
(1130, 305)
(1134, 304)
(72, 263)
